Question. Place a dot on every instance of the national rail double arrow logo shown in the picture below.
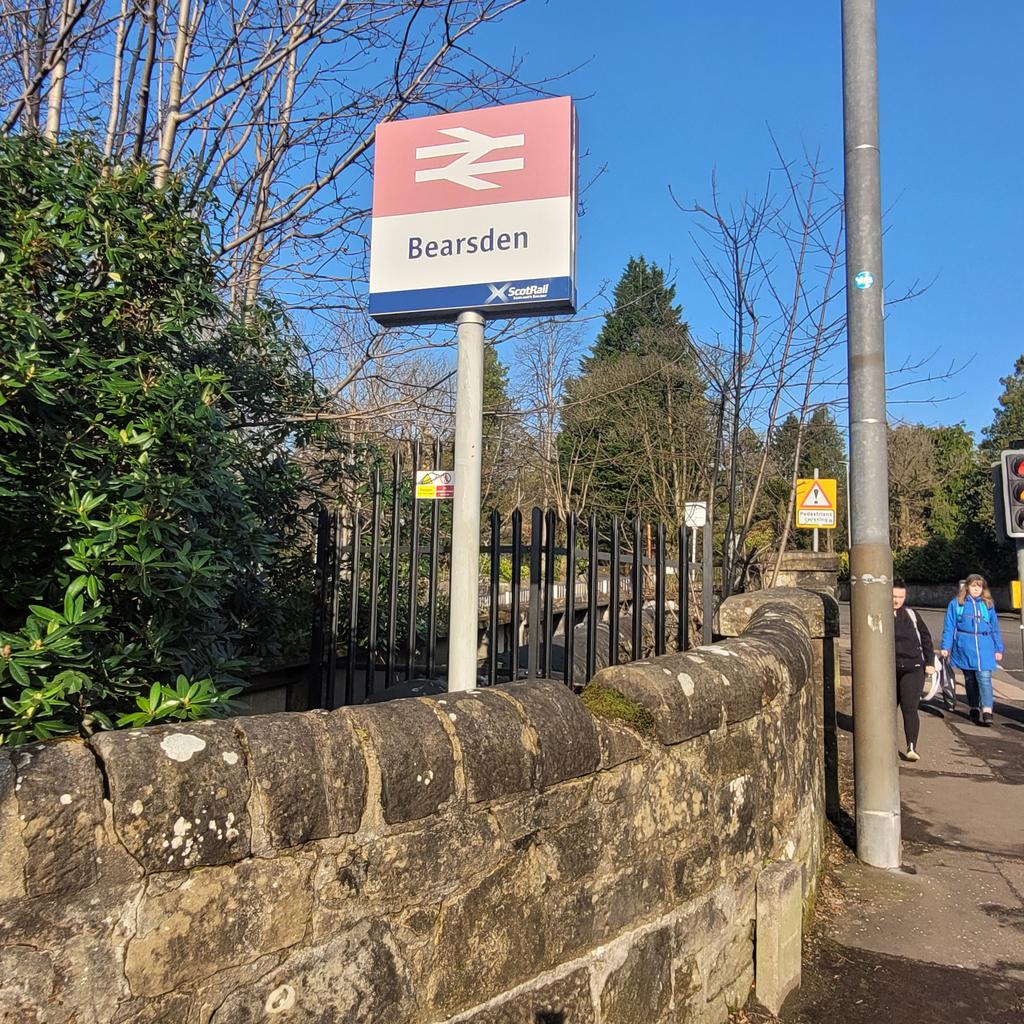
(466, 170)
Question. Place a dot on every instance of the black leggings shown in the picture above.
(909, 688)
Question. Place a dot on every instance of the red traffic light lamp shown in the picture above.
(1011, 464)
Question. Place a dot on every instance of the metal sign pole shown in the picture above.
(815, 529)
(463, 631)
(707, 585)
(1020, 576)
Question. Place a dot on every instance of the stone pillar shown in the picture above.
(779, 934)
(809, 570)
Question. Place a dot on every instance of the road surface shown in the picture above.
(1009, 626)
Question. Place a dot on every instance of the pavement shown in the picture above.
(942, 940)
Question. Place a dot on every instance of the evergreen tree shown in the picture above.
(643, 317)
(495, 393)
(823, 448)
(955, 499)
(1008, 425)
(636, 425)
(499, 431)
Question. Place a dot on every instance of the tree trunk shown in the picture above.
(170, 127)
(124, 24)
(55, 96)
(147, 79)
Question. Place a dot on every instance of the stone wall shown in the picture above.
(499, 857)
(938, 595)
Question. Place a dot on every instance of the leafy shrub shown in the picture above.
(844, 566)
(942, 560)
(150, 508)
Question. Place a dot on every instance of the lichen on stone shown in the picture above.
(180, 746)
(607, 702)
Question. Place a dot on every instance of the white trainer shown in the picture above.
(912, 754)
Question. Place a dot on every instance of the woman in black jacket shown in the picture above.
(914, 658)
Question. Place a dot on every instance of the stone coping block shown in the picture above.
(55, 794)
(309, 778)
(414, 754)
(819, 612)
(180, 793)
(619, 743)
(12, 848)
(566, 734)
(682, 693)
(344, 766)
(694, 692)
(496, 752)
(289, 804)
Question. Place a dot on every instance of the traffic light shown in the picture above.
(1011, 463)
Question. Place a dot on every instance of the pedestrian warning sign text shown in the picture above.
(432, 484)
(816, 504)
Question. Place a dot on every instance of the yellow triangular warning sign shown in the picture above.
(816, 498)
(816, 503)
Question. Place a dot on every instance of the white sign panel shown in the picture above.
(475, 211)
(696, 514)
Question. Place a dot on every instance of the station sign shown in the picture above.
(475, 211)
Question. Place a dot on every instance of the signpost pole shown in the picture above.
(1020, 576)
(465, 580)
(707, 584)
(815, 529)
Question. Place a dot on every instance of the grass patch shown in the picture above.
(607, 702)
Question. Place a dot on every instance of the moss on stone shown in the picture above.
(607, 702)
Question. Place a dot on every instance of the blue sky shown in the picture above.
(671, 91)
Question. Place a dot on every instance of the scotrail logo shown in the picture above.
(509, 292)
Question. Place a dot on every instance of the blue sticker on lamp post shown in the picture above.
(865, 279)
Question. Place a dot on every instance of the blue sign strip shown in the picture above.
(499, 300)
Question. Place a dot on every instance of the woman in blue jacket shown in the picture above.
(971, 638)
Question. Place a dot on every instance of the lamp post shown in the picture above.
(876, 775)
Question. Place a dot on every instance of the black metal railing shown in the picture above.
(559, 598)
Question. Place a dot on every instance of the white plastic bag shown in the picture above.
(932, 682)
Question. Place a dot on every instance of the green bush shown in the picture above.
(844, 566)
(943, 560)
(149, 503)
